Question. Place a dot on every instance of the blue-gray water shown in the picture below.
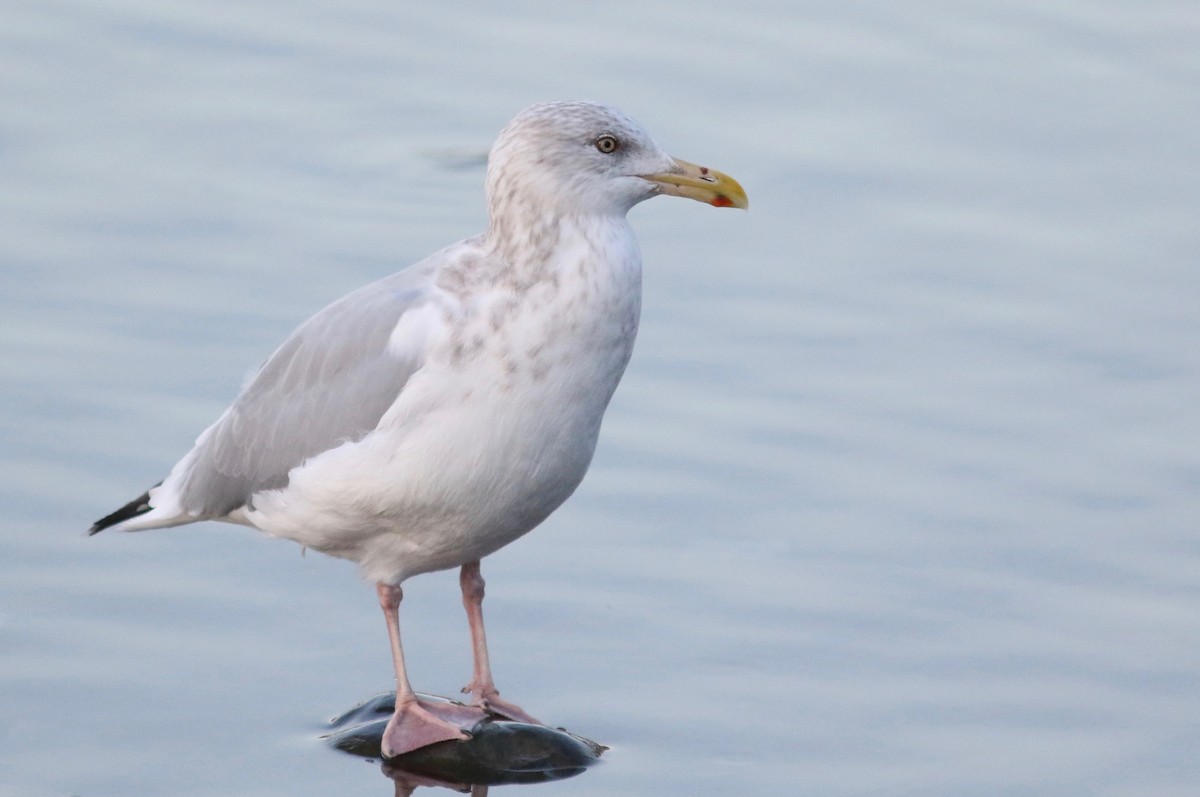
(898, 497)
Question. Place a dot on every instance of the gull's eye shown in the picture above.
(607, 144)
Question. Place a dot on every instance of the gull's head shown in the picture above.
(585, 158)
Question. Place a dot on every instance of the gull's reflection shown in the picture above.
(498, 752)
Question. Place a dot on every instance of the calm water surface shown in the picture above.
(899, 495)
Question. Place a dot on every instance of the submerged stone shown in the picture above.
(499, 750)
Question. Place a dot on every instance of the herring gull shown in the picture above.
(428, 419)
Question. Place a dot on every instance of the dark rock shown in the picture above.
(499, 750)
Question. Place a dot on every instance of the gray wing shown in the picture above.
(330, 382)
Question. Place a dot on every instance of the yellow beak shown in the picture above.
(701, 184)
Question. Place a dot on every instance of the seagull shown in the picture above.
(424, 421)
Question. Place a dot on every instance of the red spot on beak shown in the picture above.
(721, 201)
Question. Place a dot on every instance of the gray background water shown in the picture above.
(899, 495)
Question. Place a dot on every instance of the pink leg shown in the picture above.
(412, 726)
(482, 689)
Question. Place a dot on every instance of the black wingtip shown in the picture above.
(138, 506)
